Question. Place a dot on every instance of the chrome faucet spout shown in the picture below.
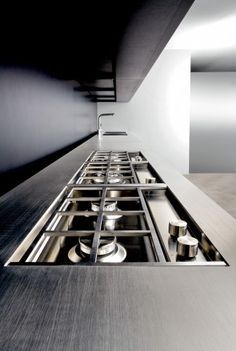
(100, 121)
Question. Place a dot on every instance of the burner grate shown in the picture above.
(113, 196)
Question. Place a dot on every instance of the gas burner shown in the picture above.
(115, 168)
(136, 158)
(74, 254)
(99, 178)
(130, 221)
(115, 178)
(108, 206)
(100, 158)
(106, 246)
(117, 256)
(109, 219)
(116, 159)
(108, 251)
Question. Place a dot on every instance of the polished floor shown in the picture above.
(221, 187)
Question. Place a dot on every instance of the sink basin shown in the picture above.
(114, 133)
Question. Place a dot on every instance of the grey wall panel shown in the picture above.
(39, 115)
(213, 122)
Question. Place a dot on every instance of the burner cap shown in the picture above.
(108, 206)
(100, 158)
(116, 159)
(106, 246)
(73, 255)
(118, 255)
(115, 178)
(109, 251)
(99, 177)
(136, 158)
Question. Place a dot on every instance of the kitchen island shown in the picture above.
(113, 307)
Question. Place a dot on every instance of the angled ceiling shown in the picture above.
(108, 47)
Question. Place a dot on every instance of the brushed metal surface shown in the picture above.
(115, 308)
(187, 246)
(177, 227)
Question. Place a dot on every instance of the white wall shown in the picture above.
(159, 111)
(213, 122)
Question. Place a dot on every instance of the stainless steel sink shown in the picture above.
(114, 133)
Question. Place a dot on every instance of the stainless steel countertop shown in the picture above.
(115, 308)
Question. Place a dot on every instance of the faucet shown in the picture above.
(100, 131)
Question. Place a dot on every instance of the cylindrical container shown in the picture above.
(187, 246)
(177, 228)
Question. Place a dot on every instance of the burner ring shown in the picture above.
(107, 246)
(73, 255)
(98, 177)
(117, 256)
(108, 206)
(115, 178)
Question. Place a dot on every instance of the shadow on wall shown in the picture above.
(41, 119)
(15, 176)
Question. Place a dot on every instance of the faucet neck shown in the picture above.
(100, 121)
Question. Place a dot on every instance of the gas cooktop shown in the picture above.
(116, 210)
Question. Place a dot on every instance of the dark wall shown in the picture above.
(39, 115)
